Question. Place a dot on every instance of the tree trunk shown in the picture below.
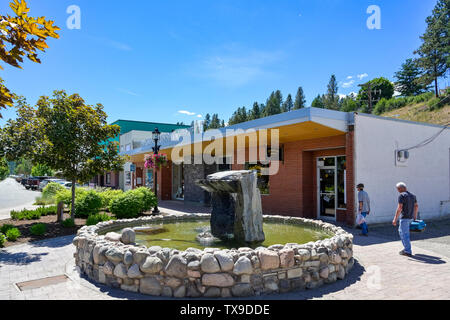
(436, 81)
(72, 211)
(436, 87)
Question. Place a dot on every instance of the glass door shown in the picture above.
(327, 192)
(178, 182)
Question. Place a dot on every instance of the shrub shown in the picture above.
(109, 195)
(32, 215)
(47, 211)
(128, 205)
(12, 234)
(65, 195)
(38, 229)
(4, 228)
(97, 218)
(50, 191)
(87, 204)
(40, 201)
(68, 223)
(2, 240)
(148, 198)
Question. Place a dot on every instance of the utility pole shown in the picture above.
(370, 93)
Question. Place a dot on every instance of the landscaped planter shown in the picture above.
(212, 272)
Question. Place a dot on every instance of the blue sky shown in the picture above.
(152, 59)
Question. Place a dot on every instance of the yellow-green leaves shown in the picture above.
(22, 36)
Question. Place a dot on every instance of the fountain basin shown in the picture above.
(212, 272)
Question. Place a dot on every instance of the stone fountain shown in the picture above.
(236, 206)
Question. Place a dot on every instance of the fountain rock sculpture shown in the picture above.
(236, 202)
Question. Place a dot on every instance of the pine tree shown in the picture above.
(332, 99)
(273, 105)
(408, 76)
(288, 105)
(318, 102)
(255, 113)
(207, 122)
(434, 52)
(300, 101)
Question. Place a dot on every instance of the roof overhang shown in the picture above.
(303, 124)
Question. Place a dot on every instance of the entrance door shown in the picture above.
(327, 192)
(178, 182)
(139, 177)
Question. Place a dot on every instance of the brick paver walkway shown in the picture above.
(380, 273)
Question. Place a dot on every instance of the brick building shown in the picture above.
(324, 154)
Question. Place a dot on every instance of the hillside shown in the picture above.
(420, 112)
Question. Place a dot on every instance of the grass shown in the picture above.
(421, 113)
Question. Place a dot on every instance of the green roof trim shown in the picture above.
(131, 125)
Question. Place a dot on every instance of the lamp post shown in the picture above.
(156, 135)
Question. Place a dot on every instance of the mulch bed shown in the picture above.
(54, 229)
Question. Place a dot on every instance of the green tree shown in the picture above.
(207, 122)
(408, 79)
(273, 105)
(288, 105)
(41, 170)
(380, 88)
(300, 101)
(215, 122)
(434, 53)
(65, 134)
(24, 167)
(20, 36)
(348, 104)
(255, 113)
(239, 116)
(4, 169)
(318, 102)
(331, 100)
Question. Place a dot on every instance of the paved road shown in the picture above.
(379, 272)
(14, 196)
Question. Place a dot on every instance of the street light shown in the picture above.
(156, 136)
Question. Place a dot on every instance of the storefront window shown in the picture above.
(263, 180)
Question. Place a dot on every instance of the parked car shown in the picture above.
(33, 182)
(68, 185)
(45, 182)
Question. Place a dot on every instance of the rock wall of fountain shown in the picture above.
(113, 259)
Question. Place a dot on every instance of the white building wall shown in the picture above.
(427, 172)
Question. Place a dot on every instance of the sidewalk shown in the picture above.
(379, 272)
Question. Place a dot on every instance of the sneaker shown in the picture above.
(364, 234)
(404, 253)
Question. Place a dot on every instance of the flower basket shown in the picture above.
(156, 161)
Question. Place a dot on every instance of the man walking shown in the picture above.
(364, 207)
(407, 211)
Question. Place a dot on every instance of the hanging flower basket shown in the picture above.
(156, 160)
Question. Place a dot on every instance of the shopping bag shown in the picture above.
(360, 219)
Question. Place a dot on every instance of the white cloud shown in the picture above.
(131, 93)
(349, 77)
(348, 84)
(188, 113)
(199, 116)
(362, 76)
(236, 66)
